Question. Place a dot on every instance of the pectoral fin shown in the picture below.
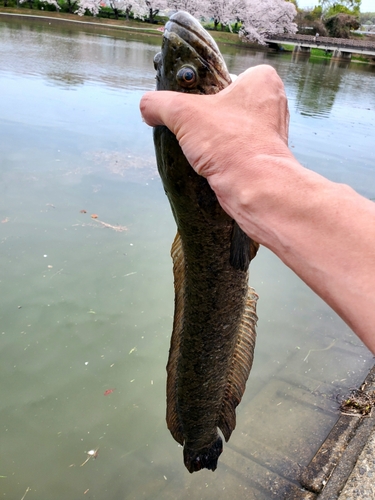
(242, 249)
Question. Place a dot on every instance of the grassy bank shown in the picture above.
(130, 25)
(322, 54)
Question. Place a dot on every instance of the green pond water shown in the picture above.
(86, 304)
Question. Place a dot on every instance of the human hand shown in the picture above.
(221, 132)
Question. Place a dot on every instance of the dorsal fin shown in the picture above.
(241, 365)
(173, 420)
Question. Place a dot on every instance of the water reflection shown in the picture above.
(316, 89)
(73, 57)
(66, 79)
(313, 84)
(86, 308)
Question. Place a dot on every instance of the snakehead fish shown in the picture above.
(213, 336)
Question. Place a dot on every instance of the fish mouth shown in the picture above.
(183, 30)
(191, 31)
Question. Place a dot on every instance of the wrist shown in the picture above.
(259, 189)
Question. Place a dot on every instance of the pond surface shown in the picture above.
(87, 303)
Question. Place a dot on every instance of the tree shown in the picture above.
(309, 21)
(221, 11)
(92, 6)
(367, 16)
(149, 9)
(72, 5)
(269, 17)
(342, 6)
(50, 2)
(119, 6)
(116, 7)
(194, 7)
(339, 26)
(317, 12)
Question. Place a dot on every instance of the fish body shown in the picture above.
(213, 334)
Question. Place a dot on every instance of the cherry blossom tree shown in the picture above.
(72, 5)
(269, 17)
(194, 7)
(148, 9)
(139, 8)
(119, 6)
(92, 6)
(220, 11)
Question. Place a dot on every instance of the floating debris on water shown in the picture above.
(117, 228)
(126, 163)
(108, 391)
(320, 350)
(26, 492)
(90, 454)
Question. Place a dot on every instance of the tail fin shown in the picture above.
(205, 458)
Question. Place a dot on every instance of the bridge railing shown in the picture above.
(324, 40)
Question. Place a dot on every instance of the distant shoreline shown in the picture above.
(73, 18)
(130, 26)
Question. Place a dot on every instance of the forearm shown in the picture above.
(323, 231)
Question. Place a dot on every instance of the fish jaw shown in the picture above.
(205, 458)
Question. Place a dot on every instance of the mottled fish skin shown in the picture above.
(213, 334)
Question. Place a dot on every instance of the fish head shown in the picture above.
(189, 61)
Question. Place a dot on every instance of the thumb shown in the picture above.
(172, 109)
(155, 107)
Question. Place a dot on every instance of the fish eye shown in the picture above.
(157, 60)
(187, 76)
